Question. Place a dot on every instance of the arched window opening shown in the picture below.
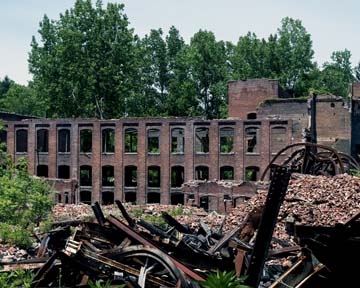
(252, 140)
(64, 141)
(108, 140)
(107, 198)
(177, 176)
(108, 176)
(85, 197)
(177, 140)
(130, 176)
(42, 141)
(22, 141)
(85, 175)
(227, 173)
(154, 176)
(202, 173)
(278, 139)
(131, 140)
(154, 141)
(202, 140)
(226, 140)
(85, 141)
(251, 173)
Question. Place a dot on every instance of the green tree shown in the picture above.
(22, 100)
(24, 201)
(84, 64)
(337, 74)
(249, 58)
(295, 53)
(5, 85)
(357, 72)
(209, 73)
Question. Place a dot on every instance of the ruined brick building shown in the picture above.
(146, 160)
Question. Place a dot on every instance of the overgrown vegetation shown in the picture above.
(17, 278)
(24, 202)
(223, 279)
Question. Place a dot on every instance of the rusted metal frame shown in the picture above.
(239, 261)
(44, 270)
(21, 266)
(279, 181)
(317, 269)
(136, 236)
(223, 240)
(174, 223)
(43, 246)
(281, 251)
(123, 211)
(288, 272)
(341, 165)
(121, 267)
(153, 229)
(98, 213)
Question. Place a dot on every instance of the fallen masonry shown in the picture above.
(297, 231)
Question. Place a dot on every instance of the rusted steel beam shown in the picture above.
(279, 181)
(286, 250)
(223, 240)
(239, 260)
(98, 213)
(136, 236)
(43, 246)
(123, 211)
(174, 223)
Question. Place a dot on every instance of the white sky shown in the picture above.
(334, 25)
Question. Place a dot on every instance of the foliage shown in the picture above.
(101, 284)
(223, 279)
(17, 278)
(24, 201)
(22, 100)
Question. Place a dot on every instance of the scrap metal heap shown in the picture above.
(304, 231)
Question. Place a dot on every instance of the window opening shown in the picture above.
(85, 175)
(64, 141)
(131, 140)
(108, 140)
(108, 176)
(154, 141)
(130, 176)
(202, 140)
(21, 140)
(177, 140)
(85, 141)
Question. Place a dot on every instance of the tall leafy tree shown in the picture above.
(22, 100)
(338, 73)
(5, 85)
(357, 72)
(209, 72)
(83, 65)
(295, 53)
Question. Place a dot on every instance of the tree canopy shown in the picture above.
(90, 63)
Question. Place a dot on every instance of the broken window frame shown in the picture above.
(109, 179)
(110, 197)
(63, 140)
(131, 140)
(177, 176)
(21, 141)
(277, 142)
(85, 175)
(177, 141)
(42, 141)
(151, 195)
(224, 171)
(251, 173)
(252, 140)
(202, 173)
(154, 177)
(226, 140)
(108, 140)
(202, 142)
(62, 173)
(130, 172)
(86, 141)
(153, 141)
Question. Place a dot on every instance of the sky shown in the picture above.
(334, 25)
